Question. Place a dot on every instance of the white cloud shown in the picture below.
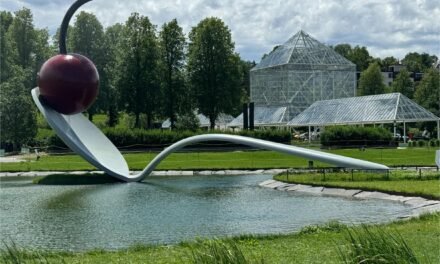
(386, 28)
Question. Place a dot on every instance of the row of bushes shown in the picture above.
(123, 137)
(424, 143)
(356, 136)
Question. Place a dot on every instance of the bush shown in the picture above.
(356, 136)
(421, 143)
(126, 137)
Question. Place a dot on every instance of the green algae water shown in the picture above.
(166, 210)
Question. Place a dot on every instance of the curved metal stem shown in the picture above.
(65, 24)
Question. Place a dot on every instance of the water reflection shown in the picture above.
(167, 210)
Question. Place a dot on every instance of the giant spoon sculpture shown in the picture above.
(68, 85)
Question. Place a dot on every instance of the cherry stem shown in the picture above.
(65, 23)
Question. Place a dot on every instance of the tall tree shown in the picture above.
(18, 119)
(86, 38)
(403, 84)
(371, 81)
(138, 83)
(214, 69)
(360, 57)
(113, 53)
(6, 58)
(428, 91)
(416, 62)
(172, 53)
(387, 62)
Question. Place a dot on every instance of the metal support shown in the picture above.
(404, 132)
(438, 129)
(310, 134)
(394, 129)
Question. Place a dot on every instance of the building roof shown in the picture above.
(263, 116)
(302, 49)
(382, 108)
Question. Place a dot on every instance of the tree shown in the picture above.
(5, 46)
(172, 53)
(87, 37)
(428, 91)
(360, 57)
(403, 84)
(343, 49)
(18, 120)
(138, 83)
(213, 69)
(371, 81)
(416, 62)
(113, 51)
(387, 62)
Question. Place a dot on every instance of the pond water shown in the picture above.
(167, 210)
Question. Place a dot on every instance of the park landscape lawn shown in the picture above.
(313, 244)
(200, 160)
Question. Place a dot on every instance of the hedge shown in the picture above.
(132, 138)
(356, 136)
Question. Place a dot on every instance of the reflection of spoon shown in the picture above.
(84, 138)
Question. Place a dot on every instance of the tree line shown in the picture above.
(150, 73)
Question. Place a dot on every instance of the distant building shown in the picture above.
(393, 71)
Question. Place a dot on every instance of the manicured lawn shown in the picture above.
(229, 160)
(311, 245)
(398, 182)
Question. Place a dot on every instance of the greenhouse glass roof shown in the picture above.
(382, 108)
(263, 116)
(302, 49)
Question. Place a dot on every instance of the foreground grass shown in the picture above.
(228, 160)
(397, 182)
(313, 244)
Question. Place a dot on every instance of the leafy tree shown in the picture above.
(371, 81)
(428, 92)
(343, 49)
(5, 46)
(113, 51)
(403, 84)
(86, 38)
(18, 120)
(138, 83)
(172, 53)
(214, 69)
(22, 35)
(360, 57)
(416, 62)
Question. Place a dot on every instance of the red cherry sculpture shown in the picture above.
(68, 83)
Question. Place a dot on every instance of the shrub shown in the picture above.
(421, 143)
(356, 136)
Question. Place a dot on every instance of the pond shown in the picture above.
(167, 210)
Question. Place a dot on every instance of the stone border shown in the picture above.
(154, 173)
(418, 205)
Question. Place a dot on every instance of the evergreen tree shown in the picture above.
(371, 81)
(214, 69)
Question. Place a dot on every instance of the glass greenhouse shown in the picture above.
(220, 123)
(371, 109)
(299, 73)
(264, 116)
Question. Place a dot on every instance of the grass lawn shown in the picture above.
(397, 182)
(311, 245)
(228, 160)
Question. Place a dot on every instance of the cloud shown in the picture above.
(385, 27)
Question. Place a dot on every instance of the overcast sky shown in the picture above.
(385, 27)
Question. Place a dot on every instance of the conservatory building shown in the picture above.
(298, 73)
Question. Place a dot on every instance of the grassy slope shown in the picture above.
(313, 245)
(229, 160)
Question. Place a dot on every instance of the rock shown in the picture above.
(373, 195)
(267, 182)
(297, 187)
(340, 192)
(316, 190)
